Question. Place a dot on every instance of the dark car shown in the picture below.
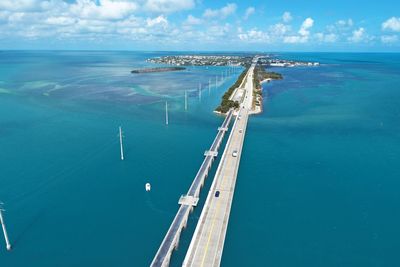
(217, 194)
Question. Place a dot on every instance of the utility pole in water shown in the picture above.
(200, 91)
(120, 143)
(3, 225)
(166, 112)
(186, 106)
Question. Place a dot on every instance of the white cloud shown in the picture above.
(287, 17)
(294, 39)
(358, 35)
(254, 36)
(106, 9)
(392, 24)
(388, 39)
(158, 21)
(330, 38)
(148, 20)
(341, 29)
(279, 29)
(304, 33)
(90, 20)
(307, 24)
(223, 12)
(341, 26)
(4, 16)
(60, 21)
(345, 23)
(327, 38)
(20, 5)
(274, 34)
(216, 32)
(249, 11)
(167, 6)
(191, 20)
(17, 17)
(228, 10)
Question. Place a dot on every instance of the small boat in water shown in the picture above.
(148, 187)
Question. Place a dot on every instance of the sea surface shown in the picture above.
(318, 183)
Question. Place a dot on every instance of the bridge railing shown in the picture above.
(171, 239)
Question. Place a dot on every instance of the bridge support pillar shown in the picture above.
(188, 200)
(211, 153)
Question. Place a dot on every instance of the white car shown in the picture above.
(234, 153)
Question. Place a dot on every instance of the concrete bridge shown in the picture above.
(207, 244)
(189, 201)
(208, 240)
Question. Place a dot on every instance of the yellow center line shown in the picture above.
(214, 218)
(209, 235)
(222, 186)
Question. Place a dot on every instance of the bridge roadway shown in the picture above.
(208, 239)
(188, 201)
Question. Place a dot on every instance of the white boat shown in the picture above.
(148, 187)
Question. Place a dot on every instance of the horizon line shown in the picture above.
(201, 51)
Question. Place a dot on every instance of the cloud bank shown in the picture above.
(184, 22)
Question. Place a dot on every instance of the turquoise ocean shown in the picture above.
(318, 183)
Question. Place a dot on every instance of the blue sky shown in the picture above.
(253, 25)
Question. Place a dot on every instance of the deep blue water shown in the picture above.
(318, 182)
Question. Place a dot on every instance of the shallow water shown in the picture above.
(70, 200)
(317, 184)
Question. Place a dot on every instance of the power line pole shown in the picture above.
(166, 112)
(120, 143)
(186, 104)
(3, 225)
(200, 91)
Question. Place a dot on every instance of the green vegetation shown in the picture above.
(203, 60)
(260, 74)
(272, 75)
(226, 104)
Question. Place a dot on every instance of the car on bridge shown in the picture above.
(234, 153)
(216, 193)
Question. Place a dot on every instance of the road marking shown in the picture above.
(230, 168)
(222, 184)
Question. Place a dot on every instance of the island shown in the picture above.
(234, 95)
(260, 76)
(203, 60)
(159, 69)
(273, 62)
(228, 60)
(227, 102)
